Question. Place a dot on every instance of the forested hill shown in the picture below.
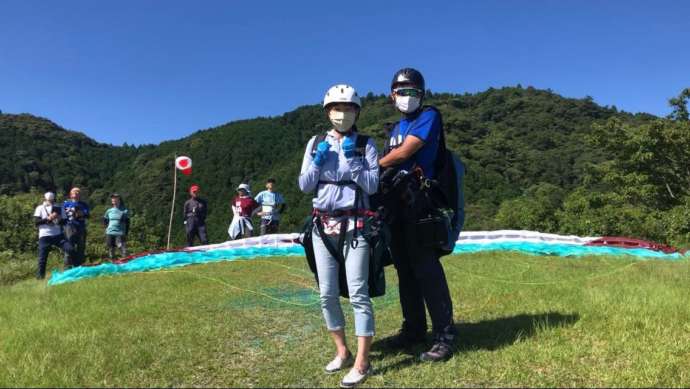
(514, 141)
(40, 154)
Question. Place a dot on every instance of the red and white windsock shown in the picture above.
(185, 164)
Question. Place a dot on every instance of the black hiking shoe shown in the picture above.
(439, 352)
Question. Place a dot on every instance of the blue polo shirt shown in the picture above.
(425, 126)
(68, 208)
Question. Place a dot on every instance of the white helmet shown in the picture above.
(245, 187)
(341, 93)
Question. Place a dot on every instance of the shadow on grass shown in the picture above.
(491, 334)
(497, 333)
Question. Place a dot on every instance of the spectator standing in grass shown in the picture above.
(116, 223)
(75, 212)
(243, 207)
(48, 219)
(195, 211)
(272, 206)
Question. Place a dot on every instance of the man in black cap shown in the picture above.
(413, 146)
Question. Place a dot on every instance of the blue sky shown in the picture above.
(145, 71)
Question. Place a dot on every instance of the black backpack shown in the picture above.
(378, 238)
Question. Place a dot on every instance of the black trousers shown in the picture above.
(422, 282)
(269, 227)
(44, 245)
(195, 228)
(77, 238)
(115, 241)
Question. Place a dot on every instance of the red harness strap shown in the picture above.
(345, 213)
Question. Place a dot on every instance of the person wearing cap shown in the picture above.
(342, 175)
(75, 212)
(243, 207)
(116, 223)
(272, 205)
(48, 218)
(413, 146)
(195, 210)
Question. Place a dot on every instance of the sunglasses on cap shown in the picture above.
(412, 92)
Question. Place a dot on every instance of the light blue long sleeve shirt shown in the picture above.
(363, 170)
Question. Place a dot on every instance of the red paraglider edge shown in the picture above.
(631, 243)
(128, 258)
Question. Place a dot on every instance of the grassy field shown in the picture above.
(523, 321)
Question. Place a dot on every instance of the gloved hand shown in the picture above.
(349, 147)
(321, 153)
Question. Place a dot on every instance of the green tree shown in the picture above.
(534, 210)
(18, 232)
(680, 105)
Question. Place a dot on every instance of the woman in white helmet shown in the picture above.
(341, 169)
(243, 207)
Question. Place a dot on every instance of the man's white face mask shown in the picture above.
(342, 121)
(407, 104)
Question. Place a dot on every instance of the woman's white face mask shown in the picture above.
(407, 104)
(342, 120)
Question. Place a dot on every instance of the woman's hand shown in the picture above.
(321, 153)
(349, 147)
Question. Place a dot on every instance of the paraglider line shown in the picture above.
(231, 286)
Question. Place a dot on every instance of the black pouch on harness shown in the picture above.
(306, 240)
(434, 231)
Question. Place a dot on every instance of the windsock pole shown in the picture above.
(172, 207)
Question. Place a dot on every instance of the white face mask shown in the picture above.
(407, 104)
(342, 121)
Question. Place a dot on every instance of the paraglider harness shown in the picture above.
(436, 206)
(373, 230)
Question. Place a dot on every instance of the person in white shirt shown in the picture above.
(48, 221)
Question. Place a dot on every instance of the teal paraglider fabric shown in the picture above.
(172, 259)
(562, 250)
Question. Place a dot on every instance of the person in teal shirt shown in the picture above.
(116, 223)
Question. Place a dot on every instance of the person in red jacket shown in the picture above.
(243, 207)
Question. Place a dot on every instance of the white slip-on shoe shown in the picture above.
(338, 364)
(356, 377)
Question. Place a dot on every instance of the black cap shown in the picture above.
(408, 76)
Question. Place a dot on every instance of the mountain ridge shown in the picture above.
(511, 139)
